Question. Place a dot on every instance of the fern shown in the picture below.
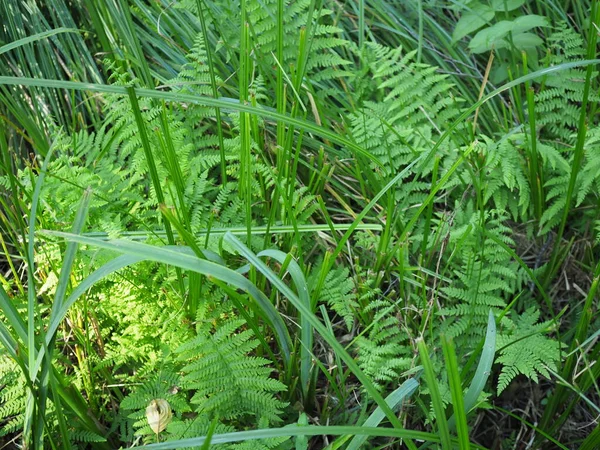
(587, 183)
(339, 293)
(226, 380)
(558, 106)
(383, 352)
(523, 349)
(484, 278)
(12, 396)
(416, 103)
(505, 179)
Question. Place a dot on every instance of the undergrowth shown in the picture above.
(244, 158)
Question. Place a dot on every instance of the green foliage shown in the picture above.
(211, 375)
(504, 175)
(383, 351)
(12, 398)
(338, 292)
(524, 349)
(502, 27)
(149, 332)
(226, 381)
(558, 104)
(484, 275)
(163, 384)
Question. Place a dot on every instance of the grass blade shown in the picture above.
(306, 339)
(36, 37)
(239, 436)
(316, 323)
(436, 397)
(186, 261)
(457, 393)
(393, 400)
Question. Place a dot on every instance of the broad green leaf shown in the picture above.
(506, 5)
(473, 19)
(526, 23)
(491, 37)
(494, 36)
(524, 41)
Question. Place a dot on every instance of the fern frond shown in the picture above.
(523, 348)
(226, 379)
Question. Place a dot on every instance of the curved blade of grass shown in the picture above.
(35, 37)
(8, 341)
(12, 316)
(110, 267)
(239, 436)
(484, 369)
(224, 103)
(270, 113)
(47, 380)
(31, 296)
(394, 400)
(275, 229)
(316, 323)
(565, 384)
(191, 262)
(306, 332)
(436, 397)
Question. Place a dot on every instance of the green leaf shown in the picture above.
(491, 37)
(506, 5)
(265, 433)
(524, 41)
(436, 397)
(484, 368)
(456, 392)
(526, 23)
(393, 400)
(34, 38)
(473, 19)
